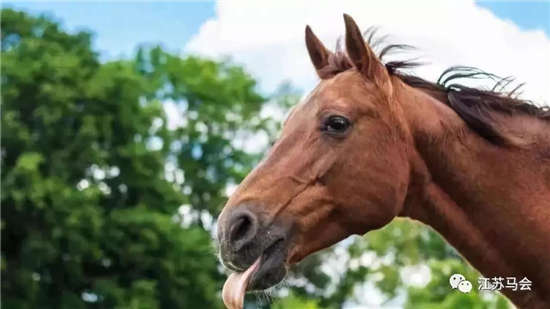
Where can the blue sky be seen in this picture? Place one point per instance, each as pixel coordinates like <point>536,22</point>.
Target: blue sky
<point>526,14</point>
<point>120,27</point>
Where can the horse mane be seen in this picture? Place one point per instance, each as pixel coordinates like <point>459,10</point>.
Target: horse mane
<point>474,105</point>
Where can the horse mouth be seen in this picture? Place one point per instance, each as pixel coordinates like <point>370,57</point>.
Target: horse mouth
<point>268,270</point>
<point>272,268</point>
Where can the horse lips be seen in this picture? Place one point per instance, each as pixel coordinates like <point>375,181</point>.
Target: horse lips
<point>235,287</point>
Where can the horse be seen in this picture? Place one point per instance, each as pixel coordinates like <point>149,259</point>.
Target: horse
<point>371,143</point>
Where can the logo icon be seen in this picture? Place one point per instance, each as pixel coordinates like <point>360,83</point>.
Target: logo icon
<point>458,281</point>
<point>455,280</point>
<point>465,286</point>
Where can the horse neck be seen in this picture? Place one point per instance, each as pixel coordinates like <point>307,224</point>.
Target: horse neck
<point>473,193</point>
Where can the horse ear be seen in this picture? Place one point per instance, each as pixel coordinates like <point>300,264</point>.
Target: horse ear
<point>360,54</point>
<point>317,52</point>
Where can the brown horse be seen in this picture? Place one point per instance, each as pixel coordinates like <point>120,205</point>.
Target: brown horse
<point>371,143</point>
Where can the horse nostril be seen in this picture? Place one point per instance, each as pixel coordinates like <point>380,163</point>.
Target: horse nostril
<point>240,227</point>
<point>242,230</point>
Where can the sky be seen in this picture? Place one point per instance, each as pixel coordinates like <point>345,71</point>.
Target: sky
<point>503,37</point>
<point>121,26</point>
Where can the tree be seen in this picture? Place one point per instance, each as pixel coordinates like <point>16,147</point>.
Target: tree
<point>93,177</point>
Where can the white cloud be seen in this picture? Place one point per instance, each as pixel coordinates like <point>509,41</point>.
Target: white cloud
<point>268,38</point>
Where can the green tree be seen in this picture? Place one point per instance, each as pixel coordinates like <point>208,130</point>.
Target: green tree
<point>93,177</point>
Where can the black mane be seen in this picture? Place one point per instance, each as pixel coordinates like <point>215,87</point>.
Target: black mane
<point>475,106</point>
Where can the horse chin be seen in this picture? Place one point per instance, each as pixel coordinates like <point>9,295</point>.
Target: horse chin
<point>272,269</point>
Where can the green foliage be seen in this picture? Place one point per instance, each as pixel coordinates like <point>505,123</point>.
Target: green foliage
<point>292,301</point>
<point>93,177</point>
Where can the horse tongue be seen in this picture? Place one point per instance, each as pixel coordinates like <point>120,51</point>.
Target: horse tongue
<point>235,287</point>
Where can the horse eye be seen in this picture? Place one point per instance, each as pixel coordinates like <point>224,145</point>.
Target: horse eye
<point>336,125</point>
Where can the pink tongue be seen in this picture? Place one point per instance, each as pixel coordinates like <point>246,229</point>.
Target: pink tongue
<point>235,287</point>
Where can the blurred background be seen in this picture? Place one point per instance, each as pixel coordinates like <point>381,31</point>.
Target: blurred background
<point>126,125</point>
